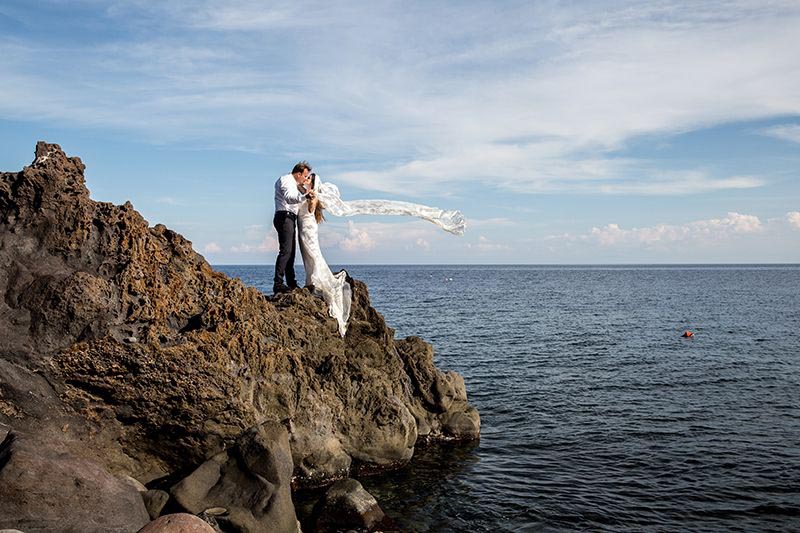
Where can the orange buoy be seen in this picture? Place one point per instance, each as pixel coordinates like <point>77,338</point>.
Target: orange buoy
<point>687,334</point>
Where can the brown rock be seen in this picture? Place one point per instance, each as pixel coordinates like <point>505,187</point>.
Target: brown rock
<point>154,501</point>
<point>252,482</point>
<point>177,523</point>
<point>346,505</point>
<point>133,482</point>
<point>121,333</point>
<point>439,403</point>
<point>43,489</point>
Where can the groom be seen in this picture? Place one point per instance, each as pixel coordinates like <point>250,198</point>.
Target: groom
<point>290,191</point>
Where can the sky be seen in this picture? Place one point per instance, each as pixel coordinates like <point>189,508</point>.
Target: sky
<point>566,132</point>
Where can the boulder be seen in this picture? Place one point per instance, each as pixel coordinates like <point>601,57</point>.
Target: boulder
<point>44,489</point>
<point>346,505</point>
<point>252,482</point>
<point>133,482</point>
<point>177,523</point>
<point>154,501</point>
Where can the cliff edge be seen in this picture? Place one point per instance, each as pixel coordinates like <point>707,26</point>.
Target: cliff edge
<point>120,345</point>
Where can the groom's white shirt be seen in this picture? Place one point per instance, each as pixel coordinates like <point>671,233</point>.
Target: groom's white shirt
<point>287,196</point>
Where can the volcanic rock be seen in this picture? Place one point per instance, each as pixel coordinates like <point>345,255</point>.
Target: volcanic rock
<point>45,489</point>
<point>177,523</point>
<point>154,501</point>
<point>346,506</point>
<point>122,345</point>
<point>252,481</point>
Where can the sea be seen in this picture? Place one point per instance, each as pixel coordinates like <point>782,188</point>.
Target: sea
<point>597,414</point>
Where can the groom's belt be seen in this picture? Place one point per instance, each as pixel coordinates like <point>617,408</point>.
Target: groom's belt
<point>287,213</point>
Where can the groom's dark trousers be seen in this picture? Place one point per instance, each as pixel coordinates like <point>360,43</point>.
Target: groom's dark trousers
<point>285,223</point>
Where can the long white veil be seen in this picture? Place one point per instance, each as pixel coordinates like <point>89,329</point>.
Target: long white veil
<point>451,221</point>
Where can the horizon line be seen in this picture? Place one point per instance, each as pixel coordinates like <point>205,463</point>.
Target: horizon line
<point>521,264</point>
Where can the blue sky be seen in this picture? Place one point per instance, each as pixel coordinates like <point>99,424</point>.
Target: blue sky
<point>620,132</point>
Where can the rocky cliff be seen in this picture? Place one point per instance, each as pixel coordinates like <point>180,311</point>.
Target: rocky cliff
<point>120,345</point>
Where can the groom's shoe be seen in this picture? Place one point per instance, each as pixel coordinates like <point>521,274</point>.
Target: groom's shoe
<point>277,289</point>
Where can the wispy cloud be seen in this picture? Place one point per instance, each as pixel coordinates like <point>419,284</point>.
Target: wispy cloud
<point>533,97</point>
<point>495,222</point>
<point>167,200</point>
<point>786,132</point>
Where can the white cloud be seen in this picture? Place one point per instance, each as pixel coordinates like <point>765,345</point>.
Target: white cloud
<point>496,222</point>
<point>212,248</point>
<point>376,239</point>
<point>710,230</point>
<point>357,239</point>
<point>532,97</point>
<point>268,244</point>
<point>786,132</point>
<point>677,183</point>
<point>476,223</point>
<point>794,218</point>
<point>167,200</point>
<point>484,245</point>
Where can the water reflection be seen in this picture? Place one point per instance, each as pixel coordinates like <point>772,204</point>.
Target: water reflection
<point>418,495</point>
<point>410,495</point>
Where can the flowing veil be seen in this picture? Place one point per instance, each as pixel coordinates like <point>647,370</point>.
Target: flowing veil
<point>334,288</point>
<point>451,221</point>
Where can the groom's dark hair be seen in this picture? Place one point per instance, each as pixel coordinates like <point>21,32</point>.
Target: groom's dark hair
<point>300,167</point>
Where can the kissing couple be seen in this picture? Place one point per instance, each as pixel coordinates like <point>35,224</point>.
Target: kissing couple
<point>300,199</point>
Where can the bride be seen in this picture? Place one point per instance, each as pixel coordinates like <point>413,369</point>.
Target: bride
<point>334,288</point>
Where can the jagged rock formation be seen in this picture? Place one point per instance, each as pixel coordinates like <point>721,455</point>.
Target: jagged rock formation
<point>122,344</point>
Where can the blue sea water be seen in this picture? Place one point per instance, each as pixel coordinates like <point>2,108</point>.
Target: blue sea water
<point>596,413</point>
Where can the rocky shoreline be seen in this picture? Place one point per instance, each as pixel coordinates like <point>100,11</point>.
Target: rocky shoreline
<point>136,381</point>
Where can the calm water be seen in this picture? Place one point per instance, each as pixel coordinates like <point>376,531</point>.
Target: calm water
<point>596,414</point>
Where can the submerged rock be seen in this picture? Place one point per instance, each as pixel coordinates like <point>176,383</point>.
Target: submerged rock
<point>347,506</point>
<point>121,343</point>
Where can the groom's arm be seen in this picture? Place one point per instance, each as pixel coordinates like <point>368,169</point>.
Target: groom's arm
<point>290,192</point>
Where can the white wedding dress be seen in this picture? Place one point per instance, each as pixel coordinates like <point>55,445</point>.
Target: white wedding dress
<point>334,288</point>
